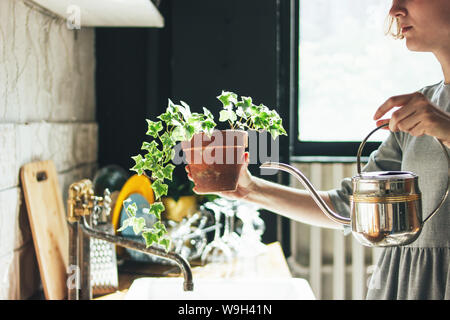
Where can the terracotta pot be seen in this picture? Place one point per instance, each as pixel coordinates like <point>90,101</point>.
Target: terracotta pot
<point>215,162</point>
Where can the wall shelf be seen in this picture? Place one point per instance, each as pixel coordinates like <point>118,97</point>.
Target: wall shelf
<point>106,13</point>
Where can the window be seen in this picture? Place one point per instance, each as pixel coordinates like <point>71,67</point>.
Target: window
<point>347,68</point>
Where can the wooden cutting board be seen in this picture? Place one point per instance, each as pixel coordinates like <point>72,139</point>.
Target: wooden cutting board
<point>48,225</point>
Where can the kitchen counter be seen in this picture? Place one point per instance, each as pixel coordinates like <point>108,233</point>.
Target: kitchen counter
<point>270,264</point>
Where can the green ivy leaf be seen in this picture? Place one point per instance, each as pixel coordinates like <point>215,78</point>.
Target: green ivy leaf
<point>208,114</point>
<point>189,131</point>
<point>159,188</point>
<point>228,99</point>
<point>195,118</point>
<point>274,115</point>
<point>276,128</point>
<point>125,225</point>
<point>223,115</point>
<point>226,115</point>
<point>167,141</point>
<point>154,128</point>
<point>154,156</point>
<point>149,146</point>
<point>138,225</point>
<point>168,171</point>
<point>253,110</point>
<point>149,238</point>
<point>243,107</point>
<point>208,127</point>
<point>171,107</point>
<point>131,209</point>
<point>165,242</point>
<point>257,122</point>
<point>171,154</point>
<point>156,209</point>
<point>179,134</point>
<point>139,166</point>
<point>157,174</point>
<point>274,133</point>
<point>167,117</point>
<point>247,102</point>
<point>241,113</point>
<point>159,227</point>
<point>185,110</point>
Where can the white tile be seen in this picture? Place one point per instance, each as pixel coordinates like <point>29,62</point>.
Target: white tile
<point>8,174</point>
<point>67,144</point>
<point>7,276</point>
<point>19,273</point>
<point>47,71</point>
<point>9,220</point>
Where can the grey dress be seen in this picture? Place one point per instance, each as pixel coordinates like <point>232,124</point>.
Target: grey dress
<point>420,270</point>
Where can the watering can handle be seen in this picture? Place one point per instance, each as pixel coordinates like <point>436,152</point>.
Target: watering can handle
<point>358,160</point>
<point>363,143</point>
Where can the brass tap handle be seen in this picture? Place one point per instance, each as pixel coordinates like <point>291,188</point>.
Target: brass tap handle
<point>81,200</point>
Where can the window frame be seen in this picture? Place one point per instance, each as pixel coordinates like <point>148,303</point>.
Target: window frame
<point>325,151</point>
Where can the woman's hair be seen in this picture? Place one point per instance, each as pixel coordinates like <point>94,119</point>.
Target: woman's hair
<point>391,24</point>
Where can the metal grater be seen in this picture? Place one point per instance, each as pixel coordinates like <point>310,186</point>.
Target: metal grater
<point>103,261</point>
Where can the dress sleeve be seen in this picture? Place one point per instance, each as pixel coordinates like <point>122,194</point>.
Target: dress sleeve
<point>388,157</point>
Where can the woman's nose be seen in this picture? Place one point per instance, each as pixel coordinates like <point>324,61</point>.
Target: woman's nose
<point>397,9</point>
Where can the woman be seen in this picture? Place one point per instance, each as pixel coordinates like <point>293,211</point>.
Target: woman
<point>420,270</point>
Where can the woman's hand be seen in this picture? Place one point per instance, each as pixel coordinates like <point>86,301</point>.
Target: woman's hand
<point>245,182</point>
<point>416,116</point>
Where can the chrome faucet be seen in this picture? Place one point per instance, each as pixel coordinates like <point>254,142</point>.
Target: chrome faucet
<point>81,203</point>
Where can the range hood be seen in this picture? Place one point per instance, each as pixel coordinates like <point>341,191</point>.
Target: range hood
<point>105,13</point>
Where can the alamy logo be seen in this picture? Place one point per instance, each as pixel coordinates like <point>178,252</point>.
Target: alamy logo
<point>73,277</point>
<point>228,147</point>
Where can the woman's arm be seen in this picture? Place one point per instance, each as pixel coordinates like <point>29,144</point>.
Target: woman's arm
<point>292,203</point>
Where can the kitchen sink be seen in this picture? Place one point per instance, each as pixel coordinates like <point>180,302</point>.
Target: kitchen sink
<point>220,289</point>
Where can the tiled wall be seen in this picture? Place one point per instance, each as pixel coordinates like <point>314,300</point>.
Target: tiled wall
<point>47,112</point>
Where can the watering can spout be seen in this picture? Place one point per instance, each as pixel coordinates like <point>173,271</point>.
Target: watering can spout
<point>307,184</point>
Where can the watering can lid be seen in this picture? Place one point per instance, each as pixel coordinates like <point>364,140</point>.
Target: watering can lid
<point>385,175</point>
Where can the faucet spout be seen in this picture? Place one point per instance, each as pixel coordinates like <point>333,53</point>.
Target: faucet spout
<point>307,184</point>
<point>185,267</point>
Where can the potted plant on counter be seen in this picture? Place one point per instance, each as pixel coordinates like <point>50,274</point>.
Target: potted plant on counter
<point>214,157</point>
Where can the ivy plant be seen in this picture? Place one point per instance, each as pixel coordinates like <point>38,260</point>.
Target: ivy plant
<point>177,124</point>
<point>243,114</point>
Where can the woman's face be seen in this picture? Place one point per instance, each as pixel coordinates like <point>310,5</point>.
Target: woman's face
<point>425,24</point>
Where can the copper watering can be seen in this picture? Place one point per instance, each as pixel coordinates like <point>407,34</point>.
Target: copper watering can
<point>386,206</point>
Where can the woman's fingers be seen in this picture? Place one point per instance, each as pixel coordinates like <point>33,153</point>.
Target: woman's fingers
<point>188,172</point>
<point>381,122</point>
<point>408,123</point>
<point>407,116</point>
<point>246,160</point>
<point>392,102</point>
<point>416,116</point>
